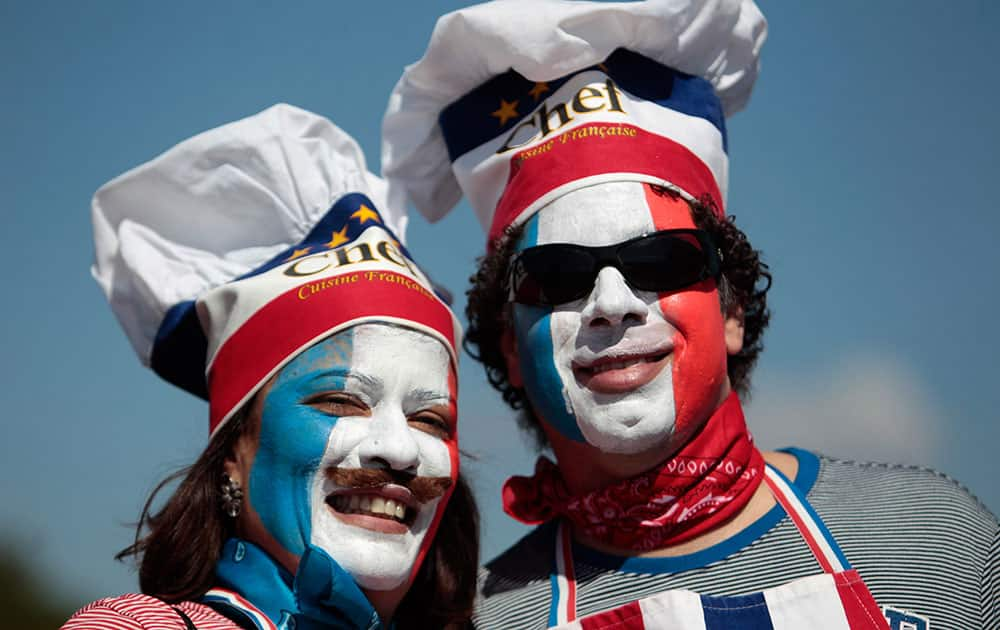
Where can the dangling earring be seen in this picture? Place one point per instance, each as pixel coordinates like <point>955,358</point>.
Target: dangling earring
<point>232,496</point>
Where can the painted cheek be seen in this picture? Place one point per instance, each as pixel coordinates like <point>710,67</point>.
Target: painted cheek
<point>452,443</point>
<point>699,366</point>
<point>293,439</point>
<point>533,326</point>
<point>537,358</point>
<point>453,457</point>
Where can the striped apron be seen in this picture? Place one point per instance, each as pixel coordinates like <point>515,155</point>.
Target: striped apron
<point>836,599</point>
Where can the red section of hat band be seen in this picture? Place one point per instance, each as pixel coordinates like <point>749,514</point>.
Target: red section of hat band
<point>596,149</point>
<point>295,318</point>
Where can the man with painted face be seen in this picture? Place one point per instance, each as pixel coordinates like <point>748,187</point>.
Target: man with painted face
<point>256,265</point>
<point>623,310</point>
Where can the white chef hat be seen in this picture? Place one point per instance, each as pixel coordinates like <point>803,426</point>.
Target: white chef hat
<point>235,250</point>
<point>517,102</point>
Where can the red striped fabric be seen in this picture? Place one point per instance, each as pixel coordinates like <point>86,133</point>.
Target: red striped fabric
<point>135,611</point>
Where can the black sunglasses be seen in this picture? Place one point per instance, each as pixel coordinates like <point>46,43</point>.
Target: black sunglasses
<point>663,261</point>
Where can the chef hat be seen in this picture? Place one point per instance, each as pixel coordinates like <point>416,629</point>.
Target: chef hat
<point>516,103</point>
<point>235,250</point>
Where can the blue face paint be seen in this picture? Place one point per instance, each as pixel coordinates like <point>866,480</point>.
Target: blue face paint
<point>542,382</point>
<point>293,439</point>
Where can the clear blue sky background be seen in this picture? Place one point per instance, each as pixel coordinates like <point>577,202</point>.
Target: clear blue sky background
<point>865,168</point>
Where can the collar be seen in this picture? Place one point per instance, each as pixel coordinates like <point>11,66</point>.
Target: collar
<point>320,595</point>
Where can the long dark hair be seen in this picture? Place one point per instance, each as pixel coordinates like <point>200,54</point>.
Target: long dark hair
<point>177,546</point>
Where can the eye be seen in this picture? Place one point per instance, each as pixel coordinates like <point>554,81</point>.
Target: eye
<point>338,404</point>
<point>432,422</point>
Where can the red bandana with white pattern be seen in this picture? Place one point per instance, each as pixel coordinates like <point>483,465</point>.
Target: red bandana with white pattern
<point>705,484</point>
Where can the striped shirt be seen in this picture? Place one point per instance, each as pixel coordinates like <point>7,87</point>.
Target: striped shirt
<point>134,611</point>
<point>927,549</point>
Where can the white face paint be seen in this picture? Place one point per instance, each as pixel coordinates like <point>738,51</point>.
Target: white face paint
<point>373,397</point>
<point>612,350</point>
<point>401,373</point>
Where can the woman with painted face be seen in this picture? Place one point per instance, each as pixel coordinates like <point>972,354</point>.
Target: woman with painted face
<point>257,266</point>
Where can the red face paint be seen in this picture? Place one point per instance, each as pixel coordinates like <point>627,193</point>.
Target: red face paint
<point>699,365</point>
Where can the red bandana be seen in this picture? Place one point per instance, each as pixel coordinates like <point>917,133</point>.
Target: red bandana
<point>703,485</point>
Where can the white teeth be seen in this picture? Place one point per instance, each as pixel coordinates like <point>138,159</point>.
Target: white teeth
<point>371,504</point>
<point>617,365</point>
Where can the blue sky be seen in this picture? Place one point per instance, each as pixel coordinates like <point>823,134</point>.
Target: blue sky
<point>864,168</point>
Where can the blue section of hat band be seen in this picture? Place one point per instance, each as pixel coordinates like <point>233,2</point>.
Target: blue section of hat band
<point>467,123</point>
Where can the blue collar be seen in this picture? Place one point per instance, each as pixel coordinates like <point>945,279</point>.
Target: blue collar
<point>320,595</point>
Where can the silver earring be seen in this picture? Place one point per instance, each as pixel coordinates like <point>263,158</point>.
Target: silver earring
<point>232,496</point>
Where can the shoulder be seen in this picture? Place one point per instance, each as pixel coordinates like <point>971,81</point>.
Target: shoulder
<point>530,558</point>
<point>876,492</point>
<point>907,530</point>
<point>135,611</point>
<point>514,586</point>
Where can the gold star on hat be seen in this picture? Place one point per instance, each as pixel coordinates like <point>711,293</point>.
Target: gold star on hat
<point>298,253</point>
<point>506,111</point>
<point>337,238</point>
<point>539,89</point>
<point>364,214</point>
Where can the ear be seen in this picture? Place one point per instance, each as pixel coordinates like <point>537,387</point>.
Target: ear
<point>508,345</point>
<point>237,463</point>
<point>734,332</point>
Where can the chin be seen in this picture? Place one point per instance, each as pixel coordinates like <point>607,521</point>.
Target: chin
<point>377,561</point>
<point>627,435</point>
<point>629,424</point>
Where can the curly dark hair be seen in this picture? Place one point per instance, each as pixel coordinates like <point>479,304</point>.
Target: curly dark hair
<point>743,287</point>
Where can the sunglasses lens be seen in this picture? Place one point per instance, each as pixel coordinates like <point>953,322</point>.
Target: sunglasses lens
<point>663,262</point>
<point>552,274</point>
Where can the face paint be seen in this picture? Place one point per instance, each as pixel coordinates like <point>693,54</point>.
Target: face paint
<point>632,367</point>
<point>372,398</point>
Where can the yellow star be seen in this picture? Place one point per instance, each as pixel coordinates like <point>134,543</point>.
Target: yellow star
<point>364,214</point>
<point>338,238</point>
<point>506,111</point>
<point>298,253</point>
<point>539,89</point>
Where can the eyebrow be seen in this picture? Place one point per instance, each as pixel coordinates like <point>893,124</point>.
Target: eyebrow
<point>367,381</point>
<point>428,396</point>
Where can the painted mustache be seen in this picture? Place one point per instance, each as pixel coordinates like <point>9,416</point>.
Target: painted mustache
<point>424,489</point>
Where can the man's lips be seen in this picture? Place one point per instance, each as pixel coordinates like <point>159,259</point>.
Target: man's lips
<point>621,373</point>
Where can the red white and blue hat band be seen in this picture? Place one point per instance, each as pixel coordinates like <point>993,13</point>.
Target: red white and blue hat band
<point>348,270</point>
<point>515,144</point>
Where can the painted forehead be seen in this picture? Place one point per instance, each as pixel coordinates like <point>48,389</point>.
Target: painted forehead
<point>604,214</point>
<point>377,353</point>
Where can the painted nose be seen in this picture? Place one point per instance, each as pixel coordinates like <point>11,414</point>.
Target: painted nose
<point>390,443</point>
<point>613,302</point>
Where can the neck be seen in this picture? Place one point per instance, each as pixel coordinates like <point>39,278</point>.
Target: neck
<point>386,602</point>
<point>319,592</point>
<point>585,469</point>
<point>758,506</point>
